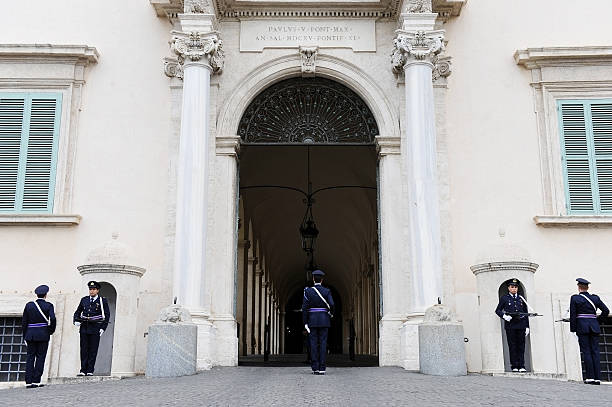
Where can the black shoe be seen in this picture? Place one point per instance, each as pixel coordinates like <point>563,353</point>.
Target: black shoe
<point>39,385</point>
<point>589,381</point>
<point>596,382</point>
<point>31,386</point>
<point>322,373</point>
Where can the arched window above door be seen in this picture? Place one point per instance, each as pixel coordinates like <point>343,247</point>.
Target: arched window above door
<point>308,111</point>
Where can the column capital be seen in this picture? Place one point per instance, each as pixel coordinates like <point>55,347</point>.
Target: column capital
<point>196,48</point>
<point>416,47</point>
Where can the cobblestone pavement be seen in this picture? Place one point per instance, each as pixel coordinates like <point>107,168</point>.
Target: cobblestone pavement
<point>294,386</point>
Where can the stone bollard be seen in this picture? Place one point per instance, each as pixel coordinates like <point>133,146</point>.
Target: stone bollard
<point>441,343</point>
<point>172,344</point>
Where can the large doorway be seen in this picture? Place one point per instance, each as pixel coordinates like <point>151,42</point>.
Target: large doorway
<point>296,132</point>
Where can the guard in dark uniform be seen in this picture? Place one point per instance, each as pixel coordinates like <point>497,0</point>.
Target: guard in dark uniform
<point>583,321</point>
<point>92,315</point>
<point>517,326</point>
<point>317,309</point>
<point>38,324</point>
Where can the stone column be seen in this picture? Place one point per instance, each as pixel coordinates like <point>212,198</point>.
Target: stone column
<point>416,49</point>
<point>251,305</point>
<point>282,332</point>
<point>257,331</point>
<point>199,53</point>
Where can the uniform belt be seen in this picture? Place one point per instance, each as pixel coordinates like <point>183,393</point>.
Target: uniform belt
<point>92,318</point>
<point>39,325</point>
<point>586,316</point>
<point>317,310</point>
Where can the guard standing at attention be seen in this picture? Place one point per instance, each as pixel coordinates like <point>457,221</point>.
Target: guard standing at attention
<point>583,321</point>
<point>317,310</point>
<point>92,315</point>
<point>517,326</point>
<point>38,324</point>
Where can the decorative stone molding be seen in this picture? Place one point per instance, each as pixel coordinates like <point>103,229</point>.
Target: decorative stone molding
<point>111,268</point>
<point>39,220</point>
<point>198,46</point>
<point>573,221</point>
<point>417,6</point>
<point>172,68</point>
<point>422,46</point>
<point>504,266</point>
<point>198,7</point>
<point>308,56</point>
<point>227,145</point>
<point>358,9</point>
<point>388,145</point>
<point>442,69</point>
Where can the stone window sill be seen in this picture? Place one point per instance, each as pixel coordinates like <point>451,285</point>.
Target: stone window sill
<point>574,221</point>
<point>31,219</point>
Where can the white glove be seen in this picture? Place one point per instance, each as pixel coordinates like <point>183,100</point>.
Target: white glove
<point>101,332</point>
<point>77,323</point>
<point>526,331</point>
<point>507,317</point>
<point>307,329</point>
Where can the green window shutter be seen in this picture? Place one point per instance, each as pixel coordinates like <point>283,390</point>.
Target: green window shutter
<point>28,166</point>
<point>586,143</point>
<point>601,116</point>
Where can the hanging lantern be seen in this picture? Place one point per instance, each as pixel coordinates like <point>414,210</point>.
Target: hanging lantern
<point>308,230</point>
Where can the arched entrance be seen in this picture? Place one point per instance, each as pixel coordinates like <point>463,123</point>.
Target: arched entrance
<point>301,139</point>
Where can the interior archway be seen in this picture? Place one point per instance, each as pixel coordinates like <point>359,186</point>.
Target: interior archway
<point>296,131</point>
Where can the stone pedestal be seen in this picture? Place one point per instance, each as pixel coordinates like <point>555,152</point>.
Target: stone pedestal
<point>172,349</point>
<point>441,346</point>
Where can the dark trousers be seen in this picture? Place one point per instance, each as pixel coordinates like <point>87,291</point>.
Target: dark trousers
<point>89,351</point>
<point>589,347</point>
<point>318,347</point>
<point>516,347</point>
<point>35,363</point>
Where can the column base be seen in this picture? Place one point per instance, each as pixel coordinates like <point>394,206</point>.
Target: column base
<point>206,342</point>
<point>389,340</point>
<point>409,342</point>
<point>226,340</point>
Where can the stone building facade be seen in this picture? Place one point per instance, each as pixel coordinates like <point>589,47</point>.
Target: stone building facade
<point>476,132</point>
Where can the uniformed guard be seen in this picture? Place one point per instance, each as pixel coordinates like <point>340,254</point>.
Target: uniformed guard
<point>583,321</point>
<point>516,325</point>
<point>38,324</point>
<point>92,315</point>
<point>317,309</point>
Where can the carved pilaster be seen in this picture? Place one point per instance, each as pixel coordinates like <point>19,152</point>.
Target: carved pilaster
<point>197,47</point>
<point>309,60</point>
<point>172,68</point>
<point>419,46</point>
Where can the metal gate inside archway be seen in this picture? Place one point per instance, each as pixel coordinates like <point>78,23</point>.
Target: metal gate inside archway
<point>307,163</point>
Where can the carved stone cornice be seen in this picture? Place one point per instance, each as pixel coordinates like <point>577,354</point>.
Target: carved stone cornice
<point>420,46</point>
<point>387,145</point>
<point>290,9</point>
<point>308,56</point>
<point>196,47</point>
<point>512,265</point>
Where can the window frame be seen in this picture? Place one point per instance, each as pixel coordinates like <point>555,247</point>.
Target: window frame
<point>25,127</point>
<point>50,68</point>
<point>591,154</point>
<point>563,73</point>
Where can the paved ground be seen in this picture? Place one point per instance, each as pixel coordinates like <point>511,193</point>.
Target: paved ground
<point>294,386</point>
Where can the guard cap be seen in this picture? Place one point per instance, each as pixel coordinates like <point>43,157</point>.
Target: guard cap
<point>318,273</point>
<point>41,290</point>
<point>514,281</point>
<point>93,284</point>
<point>583,281</point>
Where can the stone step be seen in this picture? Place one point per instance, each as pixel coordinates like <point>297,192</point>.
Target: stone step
<point>81,379</point>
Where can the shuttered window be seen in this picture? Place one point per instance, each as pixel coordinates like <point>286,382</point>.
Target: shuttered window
<point>29,132</point>
<point>586,142</point>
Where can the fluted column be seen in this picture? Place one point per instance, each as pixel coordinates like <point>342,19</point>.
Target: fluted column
<point>416,48</point>
<point>199,55</point>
